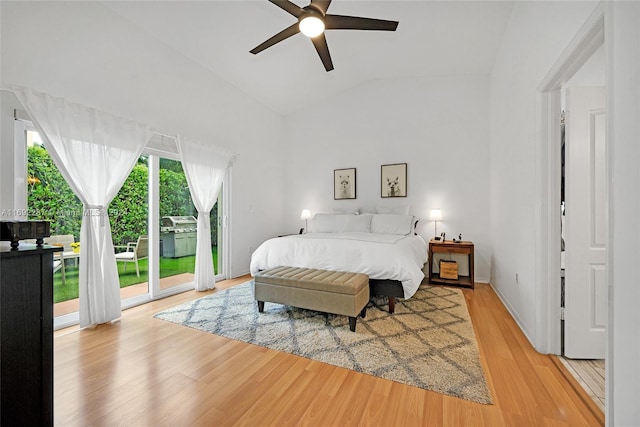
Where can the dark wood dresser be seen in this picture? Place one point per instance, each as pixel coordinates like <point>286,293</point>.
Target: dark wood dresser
<point>26,335</point>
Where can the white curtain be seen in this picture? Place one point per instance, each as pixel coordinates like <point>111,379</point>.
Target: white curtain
<point>95,153</point>
<point>205,166</point>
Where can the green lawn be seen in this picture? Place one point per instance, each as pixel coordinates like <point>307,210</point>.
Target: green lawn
<point>168,267</point>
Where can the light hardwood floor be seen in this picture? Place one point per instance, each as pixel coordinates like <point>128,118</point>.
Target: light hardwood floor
<point>142,371</point>
<point>590,374</point>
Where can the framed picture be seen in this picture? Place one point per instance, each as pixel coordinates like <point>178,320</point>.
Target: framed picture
<point>393,180</point>
<point>344,184</point>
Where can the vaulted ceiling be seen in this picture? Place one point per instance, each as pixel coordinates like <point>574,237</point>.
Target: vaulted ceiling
<point>433,38</point>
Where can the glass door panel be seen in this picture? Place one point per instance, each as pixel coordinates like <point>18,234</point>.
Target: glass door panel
<point>49,198</point>
<point>178,226</point>
<point>129,219</point>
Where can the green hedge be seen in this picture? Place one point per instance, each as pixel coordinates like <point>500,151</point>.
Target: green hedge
<point>128,211</point>
<point>50,198</point>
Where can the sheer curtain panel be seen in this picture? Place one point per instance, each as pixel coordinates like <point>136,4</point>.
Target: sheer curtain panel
<point>95,152</point>
<point>205,166</point>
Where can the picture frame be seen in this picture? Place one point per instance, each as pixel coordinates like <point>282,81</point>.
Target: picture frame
<point>344,184</point>
<point>393,180</point>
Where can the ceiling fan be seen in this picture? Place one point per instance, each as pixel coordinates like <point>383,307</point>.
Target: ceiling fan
<point>313,20</point>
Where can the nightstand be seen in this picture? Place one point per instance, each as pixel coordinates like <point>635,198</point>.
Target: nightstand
<point>448,246</point>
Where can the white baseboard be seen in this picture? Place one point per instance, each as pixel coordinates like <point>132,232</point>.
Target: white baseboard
<point>242,273</point>
<point>514,314</point>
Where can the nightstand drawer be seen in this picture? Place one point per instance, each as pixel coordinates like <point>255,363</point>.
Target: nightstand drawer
<point>453,249</point>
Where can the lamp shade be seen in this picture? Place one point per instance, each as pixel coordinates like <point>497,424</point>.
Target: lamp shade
<point>306,214</point>
<point>435,215</point>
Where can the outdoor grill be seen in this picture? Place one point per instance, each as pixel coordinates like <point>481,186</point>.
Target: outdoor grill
<point>178,236</point>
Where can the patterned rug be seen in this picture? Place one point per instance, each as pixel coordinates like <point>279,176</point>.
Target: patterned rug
<point>428,343</point>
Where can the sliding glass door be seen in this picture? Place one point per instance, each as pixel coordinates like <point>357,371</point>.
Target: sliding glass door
<point>173,228</point>
<point>152,219</point>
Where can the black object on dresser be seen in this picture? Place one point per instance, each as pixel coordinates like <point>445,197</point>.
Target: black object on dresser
<point>14,231</point>
<point>26,335</point>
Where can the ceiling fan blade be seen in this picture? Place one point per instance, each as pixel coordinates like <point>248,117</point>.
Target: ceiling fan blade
<point>323,5</point>
<point>282,35</point>
<point>320,43</point>
<point>340,22</point>
<point>289,7</point>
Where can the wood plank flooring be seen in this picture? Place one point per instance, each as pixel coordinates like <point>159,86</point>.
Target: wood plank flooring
<point>142,371</point>
<point>590,374</point>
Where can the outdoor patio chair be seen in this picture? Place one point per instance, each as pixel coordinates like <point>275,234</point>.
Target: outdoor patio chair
<point>134,252</point>
<point>57,265</point>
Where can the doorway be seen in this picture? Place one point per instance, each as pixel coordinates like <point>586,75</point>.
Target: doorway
<point>585,45</point>
<point>584,226</point>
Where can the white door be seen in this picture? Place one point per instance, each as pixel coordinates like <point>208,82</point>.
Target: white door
<point>586,223</point>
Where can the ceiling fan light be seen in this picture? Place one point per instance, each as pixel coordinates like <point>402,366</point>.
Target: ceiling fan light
<point>311,26</point>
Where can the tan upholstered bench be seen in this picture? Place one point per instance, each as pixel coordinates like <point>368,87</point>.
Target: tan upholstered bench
<point>333,292</point>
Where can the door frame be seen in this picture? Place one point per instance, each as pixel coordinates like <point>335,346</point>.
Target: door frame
<point>547,252</point>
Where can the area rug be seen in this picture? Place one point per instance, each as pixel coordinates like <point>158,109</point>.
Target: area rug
<point>428,343</point>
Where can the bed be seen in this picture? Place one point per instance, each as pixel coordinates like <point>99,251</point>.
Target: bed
<point>383,246</point>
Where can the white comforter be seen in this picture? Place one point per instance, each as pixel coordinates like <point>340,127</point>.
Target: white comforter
<point>381,256</point>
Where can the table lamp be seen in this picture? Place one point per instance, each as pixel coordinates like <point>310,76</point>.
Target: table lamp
<point>435,215</point>
<point>306,215</point>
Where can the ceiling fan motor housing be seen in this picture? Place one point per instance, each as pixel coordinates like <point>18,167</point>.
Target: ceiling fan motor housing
<point>312,10</point>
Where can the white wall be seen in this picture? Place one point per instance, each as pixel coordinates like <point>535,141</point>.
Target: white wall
<point>523,60</point>
<point>592,73</point>
<point>84,52</point>
<point>438,126</point>
<point>525,57</point>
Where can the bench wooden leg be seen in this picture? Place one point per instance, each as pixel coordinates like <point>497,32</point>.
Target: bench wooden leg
<point>392,304</point>
<point>352,323</point>
<point>261,306</point>
<point>363,313</point>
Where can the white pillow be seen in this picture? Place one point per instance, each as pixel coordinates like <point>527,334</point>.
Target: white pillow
<point>400,210</point>
<point>329,223</point>
<point>359,223</point>
<point>391,224</point>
